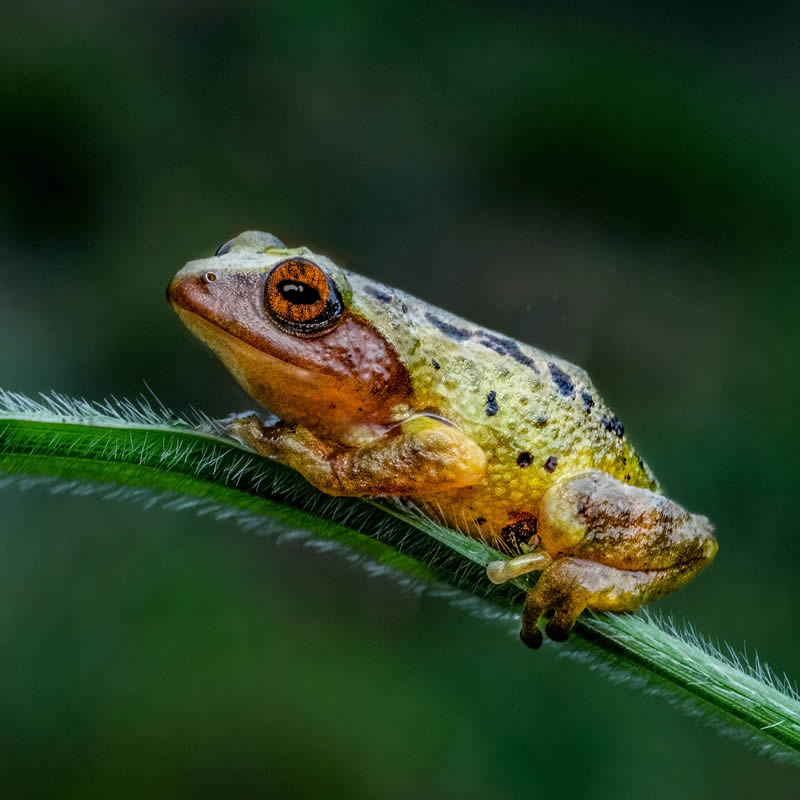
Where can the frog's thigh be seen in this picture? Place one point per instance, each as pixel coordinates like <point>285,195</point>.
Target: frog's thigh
<point>424,455</point>
<point>594,516</point>
<point>571,585</point>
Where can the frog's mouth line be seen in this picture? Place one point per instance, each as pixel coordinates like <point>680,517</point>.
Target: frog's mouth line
<point>210,327</point>
<point>232,348</point>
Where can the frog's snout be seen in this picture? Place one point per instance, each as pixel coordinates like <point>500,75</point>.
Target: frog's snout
<point>192,289</point>
<point>173,291</point>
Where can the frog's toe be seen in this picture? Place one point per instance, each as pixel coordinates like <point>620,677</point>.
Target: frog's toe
<point>507,570</point>
<point>558,632</point>
<point>531,612</point>
<point>531,638</point>
<point>565,614</point>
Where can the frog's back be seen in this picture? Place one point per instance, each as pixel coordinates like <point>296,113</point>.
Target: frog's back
<point>537,417</point>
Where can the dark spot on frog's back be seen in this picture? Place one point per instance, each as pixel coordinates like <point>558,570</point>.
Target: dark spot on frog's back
<point>613,425</point>
<point>451,331</point>
<point>506,347</point>
<point>524,459</point>
<point>491,404</point>
<point>551,464</point>
<point>435,364</point>
<point>562,381</point>
<point>378,294</point>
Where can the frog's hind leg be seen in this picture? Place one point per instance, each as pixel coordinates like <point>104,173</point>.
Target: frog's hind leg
<point>614,547</point>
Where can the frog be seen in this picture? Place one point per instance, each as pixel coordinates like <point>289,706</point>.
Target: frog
<point>377,394</point>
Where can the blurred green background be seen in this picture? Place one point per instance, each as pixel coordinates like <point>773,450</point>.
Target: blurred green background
<point>620,186</point>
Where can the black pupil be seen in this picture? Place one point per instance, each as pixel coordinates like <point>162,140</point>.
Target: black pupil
<point>301,294</point>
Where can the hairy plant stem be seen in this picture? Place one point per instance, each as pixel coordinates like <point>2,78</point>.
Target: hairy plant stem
<point>137,451</point>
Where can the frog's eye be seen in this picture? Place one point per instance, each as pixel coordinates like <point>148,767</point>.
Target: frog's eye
<point>301,298</point>
<point>224,249</point>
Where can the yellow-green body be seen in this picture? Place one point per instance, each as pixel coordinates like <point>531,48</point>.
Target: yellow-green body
<point>545,421</point>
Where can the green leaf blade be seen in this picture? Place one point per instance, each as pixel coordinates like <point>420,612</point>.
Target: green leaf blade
<point>151,453</point>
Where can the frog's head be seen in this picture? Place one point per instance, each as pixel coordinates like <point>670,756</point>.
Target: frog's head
<point>281,321</point>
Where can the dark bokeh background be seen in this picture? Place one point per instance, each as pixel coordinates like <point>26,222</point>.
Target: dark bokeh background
<point>618,186</point>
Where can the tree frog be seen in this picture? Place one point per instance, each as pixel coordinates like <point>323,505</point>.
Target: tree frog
<point>381,394</point>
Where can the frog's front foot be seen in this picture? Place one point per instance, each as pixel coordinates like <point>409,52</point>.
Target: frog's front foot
<point>424,453</point>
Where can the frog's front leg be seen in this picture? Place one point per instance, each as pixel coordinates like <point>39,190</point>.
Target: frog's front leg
<point>423,455</point>
<point>614,547</point>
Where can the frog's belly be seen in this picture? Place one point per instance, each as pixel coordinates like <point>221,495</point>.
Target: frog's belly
<point>489,511</point>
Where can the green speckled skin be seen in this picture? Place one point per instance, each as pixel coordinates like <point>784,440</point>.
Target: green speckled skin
<point>533,414</point>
